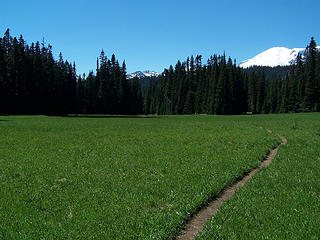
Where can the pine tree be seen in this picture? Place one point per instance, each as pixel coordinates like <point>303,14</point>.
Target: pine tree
<point>284,95</point>
<point>180,79</point>
<point>3,70</point>
<point>317,86</point>
<point>310,91</point>
<point>252,92</point>
<point>220,95</point>
<point>91,90</point>
<point>123,90</point>
<point>213,80</point>
<point>199,85</point>
<point>80,94</point>
<point>189,103</point>
<point>260,92</point>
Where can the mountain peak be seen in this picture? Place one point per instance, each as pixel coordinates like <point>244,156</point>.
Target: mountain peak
<point>275,56</point>
<point>143,74</point>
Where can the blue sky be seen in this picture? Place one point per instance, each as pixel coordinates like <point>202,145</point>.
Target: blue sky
<point>151,35</point>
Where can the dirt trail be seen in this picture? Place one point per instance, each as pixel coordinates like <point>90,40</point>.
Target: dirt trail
<point>198,221</point>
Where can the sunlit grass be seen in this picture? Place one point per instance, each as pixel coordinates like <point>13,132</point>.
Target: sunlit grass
<point>283,200</point>
<point>118,178</point>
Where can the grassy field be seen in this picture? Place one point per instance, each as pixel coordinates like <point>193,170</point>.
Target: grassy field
<point>141,178</point>
<point>283,200</point>
<point>118,178</point>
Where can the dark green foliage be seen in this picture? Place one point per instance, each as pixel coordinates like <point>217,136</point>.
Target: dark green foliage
<point>269,72</point>
<point>222,88</point>
<point>193,88</point>
<point>300,89</point>
<point>285,95</point>
<point>252,92</point>
<point>272,100</point>
<point>32,82</point>
<point>311,64</point>
<point>189,103</point>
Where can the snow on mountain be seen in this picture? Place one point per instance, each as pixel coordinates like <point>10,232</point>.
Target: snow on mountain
<point>144,74</point>
<point>276,56</point>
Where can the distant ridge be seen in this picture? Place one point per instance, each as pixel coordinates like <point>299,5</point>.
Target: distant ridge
<point>143,74</point>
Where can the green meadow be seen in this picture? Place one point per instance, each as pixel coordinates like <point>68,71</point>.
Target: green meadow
<point>142,178</point>
<point>283,200</point>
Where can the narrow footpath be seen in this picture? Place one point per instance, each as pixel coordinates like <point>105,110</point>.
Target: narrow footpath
<point>198,221</point>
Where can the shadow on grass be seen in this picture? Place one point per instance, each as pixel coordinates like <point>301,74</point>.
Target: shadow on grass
<point>106,116</point>
<point>4,115</point>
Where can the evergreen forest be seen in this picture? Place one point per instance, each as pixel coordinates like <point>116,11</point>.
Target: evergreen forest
<point>33,82</point>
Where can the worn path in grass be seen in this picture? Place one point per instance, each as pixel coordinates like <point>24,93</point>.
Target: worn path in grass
<point>198,221</point>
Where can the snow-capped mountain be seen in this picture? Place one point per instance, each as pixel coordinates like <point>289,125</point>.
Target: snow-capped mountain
<point>143,74</point>
<point>276,56</point>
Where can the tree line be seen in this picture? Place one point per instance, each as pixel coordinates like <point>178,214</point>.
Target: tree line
<point>108,91</point>
<point>220,87</point>
<point>190,87</point>
<point>33,82</point>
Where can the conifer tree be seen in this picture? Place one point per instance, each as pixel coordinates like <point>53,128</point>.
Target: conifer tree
<point>220,95</point>
<point>285,95</point>
<point>33,82</point>
<point>252,93</point>
<point>310,93</point>
<point>260,92</point>
<point>189,103</point>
